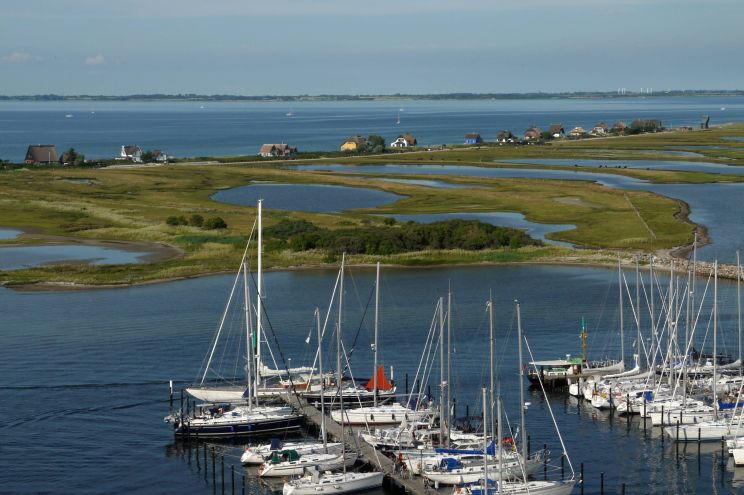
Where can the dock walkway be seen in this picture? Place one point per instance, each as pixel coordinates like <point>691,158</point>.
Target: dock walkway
<point>369,455</point>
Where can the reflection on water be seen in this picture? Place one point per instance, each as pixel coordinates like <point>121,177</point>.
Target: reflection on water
<point>320,198</point>
<point>498,218</point>
<point>16,257</point>
<point>429,183</point>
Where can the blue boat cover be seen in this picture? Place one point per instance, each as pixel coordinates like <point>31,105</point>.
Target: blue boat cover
<point>450,463</point>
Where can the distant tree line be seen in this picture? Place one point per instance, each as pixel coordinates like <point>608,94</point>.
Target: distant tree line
<point>301,235</point>
<point>197,220</point>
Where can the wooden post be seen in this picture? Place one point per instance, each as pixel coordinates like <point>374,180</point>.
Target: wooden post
<point>528,448</point>
<point>232,476</point>
<point>545,461</point>
<point>623,489</point>
<point>563,466</point>
<point>601,483</point>
<point>214,469</point>
<point>243,483</point>
<point>222,476</point>
<point>582,478</point>
<point>406,383</point>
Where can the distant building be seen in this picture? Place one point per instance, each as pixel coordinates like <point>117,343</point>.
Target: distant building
<point>131,152</point>
<point>41,153</point>
<point>159,156</point>
<point>556,131</point>
<point>277,150</point>
<point>577,132</point>
<point>473,138</point>
<point>601,129</point>
<point>354,143</point>
<point>505,136</point>
<point>404,141</point>
<point>532,134</point>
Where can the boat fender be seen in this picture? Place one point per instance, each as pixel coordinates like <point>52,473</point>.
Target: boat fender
<point>372,417</point>
<point>393,416</point>
<point>406,416</point>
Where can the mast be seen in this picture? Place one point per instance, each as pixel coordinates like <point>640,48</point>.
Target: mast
<point>620,293</point>
<point>490,351</point>
<point>521,387</point>
<point>374,348</point>
<point>738,300</point>
<point>449,365</point>
<point>339,374</point>
<point>715,339</point>
<point>498,440</point>
<point>248,335</point>
<point>441,371</point>
<point>259,303</point>
<point>653,318</point>
<point>638,310</point>
<point>485,442</point>
<point>322,384</point>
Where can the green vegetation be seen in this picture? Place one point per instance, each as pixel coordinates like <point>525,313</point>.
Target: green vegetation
<point>301,235</point>
<point>147,205</point>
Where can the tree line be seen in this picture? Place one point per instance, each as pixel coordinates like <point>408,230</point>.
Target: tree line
<point>301,235</point>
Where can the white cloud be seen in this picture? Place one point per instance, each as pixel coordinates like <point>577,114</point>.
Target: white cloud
<point>17,58</point>
<point>95,60</point>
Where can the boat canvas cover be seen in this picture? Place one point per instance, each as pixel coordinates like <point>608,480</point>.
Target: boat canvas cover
<point>490,450</point>
<point>552,362</point>
<point>382,382</point>
<point>450,463</point>
<point>284,455</point>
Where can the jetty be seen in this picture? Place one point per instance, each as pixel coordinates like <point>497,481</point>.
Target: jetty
<point>368,454</point>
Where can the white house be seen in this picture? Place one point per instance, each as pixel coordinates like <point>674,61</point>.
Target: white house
<point>404,141</point>
<point>131,152</point>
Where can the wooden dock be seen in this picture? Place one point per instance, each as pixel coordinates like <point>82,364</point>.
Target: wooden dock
<point>368,454</point>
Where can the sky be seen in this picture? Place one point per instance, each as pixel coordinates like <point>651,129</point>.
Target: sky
<point>294,47</point>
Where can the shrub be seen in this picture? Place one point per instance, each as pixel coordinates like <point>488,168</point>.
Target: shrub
<point>214,223</point>
<point>196,220</point>
<point>177,221</point>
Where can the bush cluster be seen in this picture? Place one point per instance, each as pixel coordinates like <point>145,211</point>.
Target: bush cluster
<point>197,220</point>
<point>301,235</point>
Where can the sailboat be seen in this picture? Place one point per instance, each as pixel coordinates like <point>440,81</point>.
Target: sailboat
<point>344,482</point>
<point>290,462</point>
<point>525,486</point>
<point>224,419</point>
<point>232,392</point>
<point>377,414</point>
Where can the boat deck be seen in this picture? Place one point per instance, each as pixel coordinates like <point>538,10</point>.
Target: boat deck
<point>368,453</point>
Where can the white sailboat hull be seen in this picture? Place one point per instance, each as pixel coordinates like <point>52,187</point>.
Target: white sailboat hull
<point>380,415</point>
<point>321,462</point>
<point>257,455</point>
<point>473,473</point>
<point>333,483</point>
<point>705,432</point>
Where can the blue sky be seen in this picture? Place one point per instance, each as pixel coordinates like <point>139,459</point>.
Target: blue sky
<point>350,47</point>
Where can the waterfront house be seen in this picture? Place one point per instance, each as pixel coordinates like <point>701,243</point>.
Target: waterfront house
<point>601,129</point>
<point>532,134</point>
<point>404,141</point>
<point>577,132</point>
<point>354,143</point>
<point>277,150</point>
<point>131,152</point>
<point>473,138</point>
<point>505,136</point>
<point>41,153</point>
<point>619,127</point>
<point>159,156</point>
<point>556,131</point>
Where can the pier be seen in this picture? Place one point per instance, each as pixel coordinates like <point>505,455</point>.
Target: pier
<point>368,454</point>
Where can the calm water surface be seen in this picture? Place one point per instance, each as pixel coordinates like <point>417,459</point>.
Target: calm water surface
<point>716,168</point>
<point>99,129</point>
<point>9,233</point>
<point>86,378</point>
<point>15,257</point>
<point>320,198</point>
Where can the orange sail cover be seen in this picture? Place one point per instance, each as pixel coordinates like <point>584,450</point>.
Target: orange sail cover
<point>382,382</point>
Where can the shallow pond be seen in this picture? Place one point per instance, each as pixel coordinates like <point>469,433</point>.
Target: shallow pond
<point>318,198</point>
<point>499,218</point>
<point>16,257</point>
<point>716,168</point>
<point>439,184</point>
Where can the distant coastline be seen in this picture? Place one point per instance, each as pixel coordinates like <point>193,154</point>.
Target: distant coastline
<point>310,98</point>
